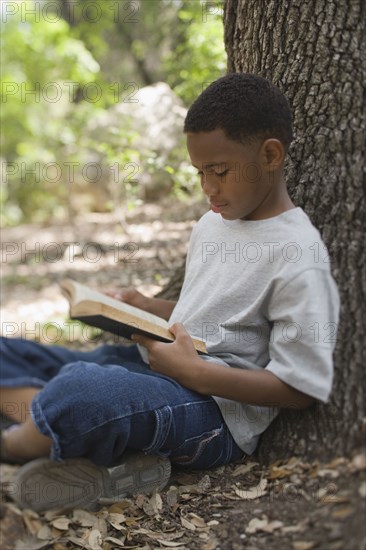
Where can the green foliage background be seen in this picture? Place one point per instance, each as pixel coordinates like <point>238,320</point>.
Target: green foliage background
<point>63,65</point>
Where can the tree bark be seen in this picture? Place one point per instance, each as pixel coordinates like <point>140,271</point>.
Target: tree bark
<point>312,49</point>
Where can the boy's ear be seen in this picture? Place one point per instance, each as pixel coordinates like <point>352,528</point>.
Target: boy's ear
<point>272,154</point>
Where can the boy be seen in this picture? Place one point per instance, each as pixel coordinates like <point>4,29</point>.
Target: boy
<point>253,289</point>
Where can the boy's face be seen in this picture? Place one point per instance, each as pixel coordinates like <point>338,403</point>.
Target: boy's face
<point>233,176</point>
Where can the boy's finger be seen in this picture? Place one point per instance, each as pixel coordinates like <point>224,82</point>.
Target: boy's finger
<point>181,335</point>
<point>178,329</point>
<point>113,294</point>
<point>143,340</point>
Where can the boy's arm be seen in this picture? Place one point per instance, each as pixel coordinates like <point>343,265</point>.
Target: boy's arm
<point>256,387</point>
<point>180,361</point>
<point>160,307</point>
<point>156,306</point>
<point>304,315</point>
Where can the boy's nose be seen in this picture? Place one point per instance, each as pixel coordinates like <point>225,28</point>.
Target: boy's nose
<point>209,186</point>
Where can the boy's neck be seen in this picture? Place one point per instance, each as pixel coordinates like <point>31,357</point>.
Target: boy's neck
<point>275,204</point>
<point>282,206</point>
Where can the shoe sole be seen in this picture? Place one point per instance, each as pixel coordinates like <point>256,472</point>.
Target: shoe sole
<point>44,484</point>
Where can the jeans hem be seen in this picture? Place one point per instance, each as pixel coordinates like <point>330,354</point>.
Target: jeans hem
<point>42,425</point>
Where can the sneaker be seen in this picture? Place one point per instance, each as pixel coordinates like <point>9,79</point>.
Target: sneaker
<point>43,484</point>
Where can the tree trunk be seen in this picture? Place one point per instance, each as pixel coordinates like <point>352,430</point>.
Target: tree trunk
<point>312,49</point>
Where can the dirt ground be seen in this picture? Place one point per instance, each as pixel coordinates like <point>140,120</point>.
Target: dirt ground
<point>290,504</point>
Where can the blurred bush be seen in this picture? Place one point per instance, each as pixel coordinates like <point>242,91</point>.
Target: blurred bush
<point>69,65</point>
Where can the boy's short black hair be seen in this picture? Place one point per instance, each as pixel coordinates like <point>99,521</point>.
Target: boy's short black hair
<point>245,107</point>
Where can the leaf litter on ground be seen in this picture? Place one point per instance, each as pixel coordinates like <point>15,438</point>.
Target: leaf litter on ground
<point>191,512</point>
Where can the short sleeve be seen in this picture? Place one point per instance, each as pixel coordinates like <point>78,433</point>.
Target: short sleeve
<point>304,318</point>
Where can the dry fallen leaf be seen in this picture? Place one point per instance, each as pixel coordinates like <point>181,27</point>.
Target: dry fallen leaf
<point>119,507</point>
<point>257,524</point>
<point>243,469</point>
<point>278,473</point>
<point>189,491</point>
<point>211,544</point>
<point>362,490</point>
<point>230,496</point>
<point>327,472</point>
<point>170,544</point>
<point>279,469</point>
<point>44,533</point>
<point>116,521</point>
<point>342,513</point>
<point>212,523</point>
<point>115,541</point>
<point>62,523</point>
<point>303,545</point>
<point>172,496</point>
<point>117,518</point>
<point>187,524</point>
<point>359,462</point>
<point>84,518</point>
<point>298,528</point>
<point>52,514</point>
<point>131,522</point>
<point>102,524</point>
<point>336,462</point>
<point>153,505</point>
<point>293,462</point>
<point>32,521</point>
<point>142,531</point>
<point>95,540</point>
<point>272,526</point>
<point>197,520</point>
<point>335,499</point>
<point>79,542</point>
<point>253,492</point>
<point>327,495</point>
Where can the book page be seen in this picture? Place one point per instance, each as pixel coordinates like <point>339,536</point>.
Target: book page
<point>80,293</point>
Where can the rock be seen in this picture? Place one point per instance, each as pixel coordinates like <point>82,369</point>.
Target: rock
<point>157,117</point>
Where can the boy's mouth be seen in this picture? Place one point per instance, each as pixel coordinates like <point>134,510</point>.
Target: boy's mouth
<point>217,207</point>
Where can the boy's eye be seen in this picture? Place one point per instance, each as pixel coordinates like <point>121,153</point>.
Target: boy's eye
<point>221,174</point>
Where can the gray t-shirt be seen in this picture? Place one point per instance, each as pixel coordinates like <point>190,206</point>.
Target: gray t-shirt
<point>261,294</point>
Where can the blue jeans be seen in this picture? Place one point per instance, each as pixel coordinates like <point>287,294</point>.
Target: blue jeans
<point>96,404</point>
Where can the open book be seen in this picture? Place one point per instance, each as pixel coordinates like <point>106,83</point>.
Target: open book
<point>99,310</point>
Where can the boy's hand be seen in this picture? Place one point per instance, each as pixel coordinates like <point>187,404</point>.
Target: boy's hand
<point>129,295</point>
<point>178,359</point>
